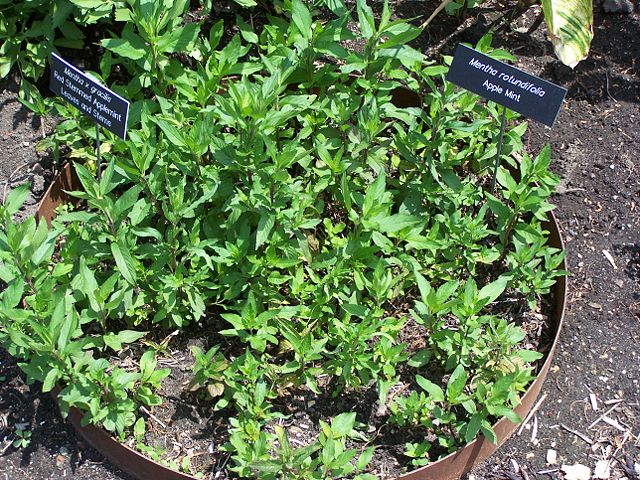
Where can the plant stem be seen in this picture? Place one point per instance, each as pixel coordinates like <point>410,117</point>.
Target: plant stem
<point>507,236</point>
<point>440,7</point>
<point>503,119</point>
<point>27,278</point>
<point>154,199</point>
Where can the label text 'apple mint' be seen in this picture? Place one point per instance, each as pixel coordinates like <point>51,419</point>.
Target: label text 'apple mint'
<point>494,80</point>
<point>96,101</point>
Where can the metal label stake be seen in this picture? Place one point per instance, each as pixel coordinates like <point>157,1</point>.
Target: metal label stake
<point>104,106</point>
<point>98,163</point>
<point>503,119</point>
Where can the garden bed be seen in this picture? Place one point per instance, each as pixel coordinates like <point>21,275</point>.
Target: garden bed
<point>186,426</point>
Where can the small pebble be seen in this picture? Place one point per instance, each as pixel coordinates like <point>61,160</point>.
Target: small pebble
<point>552,457</point>
<point>576,472</point>
<point>63,451</point>
<point>602,471</point>
<point>60,459</point>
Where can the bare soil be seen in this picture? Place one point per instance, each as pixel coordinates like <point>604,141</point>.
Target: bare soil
<point>596,145</point>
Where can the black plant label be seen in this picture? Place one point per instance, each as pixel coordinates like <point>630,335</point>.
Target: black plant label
<point>517,90</point>
<point>93,99</point>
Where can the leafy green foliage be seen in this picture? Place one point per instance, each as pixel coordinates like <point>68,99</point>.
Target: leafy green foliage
<point>31,29</point>
<point>272,191</point>
<point>23,438</point>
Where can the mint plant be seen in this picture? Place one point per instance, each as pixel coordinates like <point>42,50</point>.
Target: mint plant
<point>330,241</point>
<point>30,30</point>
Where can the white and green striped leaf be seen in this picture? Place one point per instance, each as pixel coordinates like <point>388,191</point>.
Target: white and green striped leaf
<point>570,24</point>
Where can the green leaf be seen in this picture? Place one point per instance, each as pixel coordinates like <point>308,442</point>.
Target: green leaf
<point>86,283</point>
<point>51,379</point>
<point>5,66</point>
<point>470,293</point>
<point>130,336</point>
<point>125,262</point>
<point>473,427</point>
<point>46,248</point>
<point>365,458</point>
<point>68,327</point>
<point>420,359</point>
<point>435,392</point>
<point>543,159</point>
<point>16,198</point>
<point>88,4</point>
<point>148,363</point>
<point>493,290</point>
<point>125,379</point>
<point>397,222</point>
<point>169,17</point>
<point>488,432</point>
<point>139,429</point>
<point>484,44</point>
<point>345,191</point>
<point>499,209</point>
<point>366,19</point>
<point>265,225</point>
<point>504,411</point>
<point>402,34</point>
<point>408,56</point>
<point>215,34</point>
<point>570,24</point>
<point>456,383</point>
<point>246,31</point>
<point>343,424</point>
<point>13,293</point>
<point>423,286</point>
<point>130,46</point>
<point>336,6</point>
<point>61,13</point>
<point>180,39</point>
<point>529,356</point>
<point>172,132</point>
<point>30,97</point>
<point>301,16</point>
<point>86,179</point>
<point>355,309</point>
<point>112,341</point>
<point>126,201</point>
<point>435,70</point>
<point>374,194</point>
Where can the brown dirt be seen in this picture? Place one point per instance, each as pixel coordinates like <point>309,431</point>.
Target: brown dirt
<point>596,142</point>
